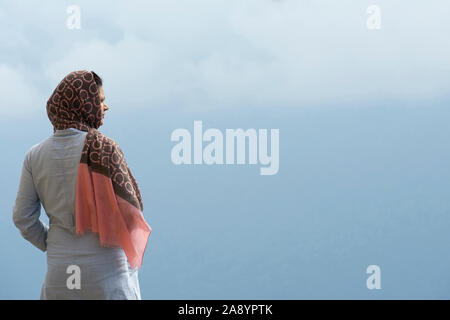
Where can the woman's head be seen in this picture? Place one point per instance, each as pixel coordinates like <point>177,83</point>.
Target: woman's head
<point>77,102</point>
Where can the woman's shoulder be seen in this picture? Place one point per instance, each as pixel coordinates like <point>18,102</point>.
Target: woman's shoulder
<point>97,137</point>
<point>38,150</point>
<point>38,147</point>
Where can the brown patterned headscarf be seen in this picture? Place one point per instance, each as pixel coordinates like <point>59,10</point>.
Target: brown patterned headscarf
<point>108,199</point>
<point>75,103</point>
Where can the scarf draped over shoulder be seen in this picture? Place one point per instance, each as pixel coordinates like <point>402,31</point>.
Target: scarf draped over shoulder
<point>108,199</point>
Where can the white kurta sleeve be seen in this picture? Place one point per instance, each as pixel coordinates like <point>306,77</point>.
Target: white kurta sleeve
<point>27,209</point>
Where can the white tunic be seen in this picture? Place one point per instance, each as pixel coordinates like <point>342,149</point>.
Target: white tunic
<point>49,175</point>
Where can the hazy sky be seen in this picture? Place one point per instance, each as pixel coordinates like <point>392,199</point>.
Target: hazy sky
<point>223,54</point>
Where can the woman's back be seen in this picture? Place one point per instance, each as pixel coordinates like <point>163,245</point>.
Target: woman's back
<point>50,169</point>
<point>54,164</point>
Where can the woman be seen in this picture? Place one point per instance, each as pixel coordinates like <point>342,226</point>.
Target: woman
<point>97,234</point>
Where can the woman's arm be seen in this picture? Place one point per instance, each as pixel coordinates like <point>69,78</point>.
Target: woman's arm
<point>27,209</point>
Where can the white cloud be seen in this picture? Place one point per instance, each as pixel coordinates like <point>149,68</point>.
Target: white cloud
<point>18,97</point>
<point>222,54</point>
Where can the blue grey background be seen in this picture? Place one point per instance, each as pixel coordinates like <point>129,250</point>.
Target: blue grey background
<point>363,118</point>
